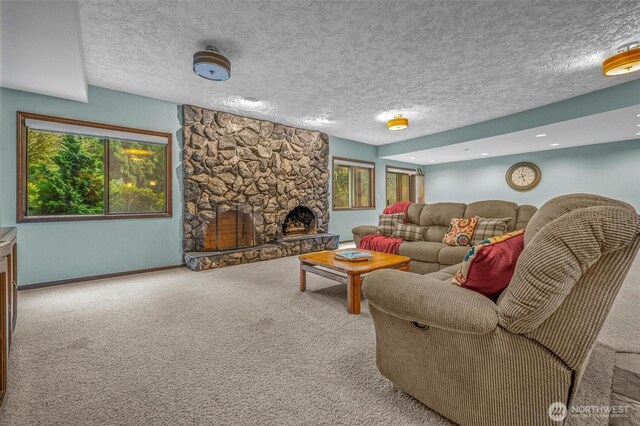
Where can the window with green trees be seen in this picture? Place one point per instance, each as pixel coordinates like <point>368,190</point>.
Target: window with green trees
<point>353,184</point>
<point>71,171</point>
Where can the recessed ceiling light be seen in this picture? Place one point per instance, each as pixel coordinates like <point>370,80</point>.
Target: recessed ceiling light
<point>637,115</point>
<point>638,134</point>
<point>554,144</point>
<point>637,125</point>
<point>485,153</point>
<point>412,158</point>
<point>432,161</point>
<point>541,135</point>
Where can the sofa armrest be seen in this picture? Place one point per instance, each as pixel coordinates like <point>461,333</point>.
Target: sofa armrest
<point>363,230</point>
<point>425,300</point>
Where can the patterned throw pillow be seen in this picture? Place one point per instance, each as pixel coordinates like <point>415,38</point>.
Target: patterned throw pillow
<point>489,265</point>
<point>386,223</point>
<point>460,231</point>
<point>489,228</point>
<point>408,232</point>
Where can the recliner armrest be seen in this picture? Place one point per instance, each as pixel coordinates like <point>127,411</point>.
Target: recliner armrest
<point>363,230</point>
<point>424,300</point>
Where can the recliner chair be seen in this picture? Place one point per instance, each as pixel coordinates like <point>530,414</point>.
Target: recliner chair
<point>483,363</point>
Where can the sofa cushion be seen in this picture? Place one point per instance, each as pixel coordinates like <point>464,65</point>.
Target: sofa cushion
<point>408,232</point>
<point>489,228</point>
<point>492,209</point>
<point>461,231</point>
<point>525,213</point>
<point>445,274</point>
<point>435,233</point>
<point>387,223</point>
<point>425,251</point>
<point>440,213</point>
<point>363,230</point>
<point>413,213</point>
<point>451,255</point>
<point>488,267</point>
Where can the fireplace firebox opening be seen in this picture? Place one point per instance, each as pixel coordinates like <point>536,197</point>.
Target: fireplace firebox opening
<point>231,229</point>
<point>299,221</point>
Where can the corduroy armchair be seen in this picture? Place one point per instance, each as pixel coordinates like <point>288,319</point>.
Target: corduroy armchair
<point>481,363</point>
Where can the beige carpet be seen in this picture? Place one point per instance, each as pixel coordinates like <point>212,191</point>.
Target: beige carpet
<point>238,345</point>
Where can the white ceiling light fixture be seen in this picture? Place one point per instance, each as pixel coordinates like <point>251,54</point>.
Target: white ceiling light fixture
<point>211,64</point>
<point>555,144</point>
<point>484,154</point>
<point>541,135</point>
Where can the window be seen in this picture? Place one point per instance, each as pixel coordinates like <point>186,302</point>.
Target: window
<point>353,184</point>
<point>77,170</point>
<point>401,185</point>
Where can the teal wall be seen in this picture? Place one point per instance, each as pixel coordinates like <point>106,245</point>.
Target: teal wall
<point>62,250</point>
<point>611,169</point>
<point>342,222</point>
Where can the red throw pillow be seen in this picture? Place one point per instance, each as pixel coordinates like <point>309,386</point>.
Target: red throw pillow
<point>489,265</point>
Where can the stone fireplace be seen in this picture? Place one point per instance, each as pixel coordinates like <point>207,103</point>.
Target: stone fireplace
<point>253,189</point>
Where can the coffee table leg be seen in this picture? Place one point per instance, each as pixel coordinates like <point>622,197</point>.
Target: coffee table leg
<point>353,294</point>
<point>303,278</point>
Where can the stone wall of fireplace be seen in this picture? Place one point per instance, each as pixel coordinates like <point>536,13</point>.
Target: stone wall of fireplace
<point>234,162</point>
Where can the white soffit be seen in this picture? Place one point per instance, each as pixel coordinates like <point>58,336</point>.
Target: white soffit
<point>611,126</point>
<point>42,48</point>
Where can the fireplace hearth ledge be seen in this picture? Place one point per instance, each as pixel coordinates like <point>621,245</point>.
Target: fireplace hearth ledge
<point>287,246</point>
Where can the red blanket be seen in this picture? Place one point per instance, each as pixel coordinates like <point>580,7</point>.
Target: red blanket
<point>381,243</point>
<point>401,207</point>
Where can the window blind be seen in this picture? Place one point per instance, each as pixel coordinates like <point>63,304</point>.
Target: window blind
<point>54,126</point>
<point>353,163</point>
<point>403,171</point>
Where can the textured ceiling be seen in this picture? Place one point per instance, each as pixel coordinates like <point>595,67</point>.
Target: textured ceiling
<point>344,67</point>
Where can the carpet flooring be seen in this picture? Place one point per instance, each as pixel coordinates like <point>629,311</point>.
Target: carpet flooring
<point>239,345</point>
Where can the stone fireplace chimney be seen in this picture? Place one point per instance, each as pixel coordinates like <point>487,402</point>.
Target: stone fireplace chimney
<point>234,163</point>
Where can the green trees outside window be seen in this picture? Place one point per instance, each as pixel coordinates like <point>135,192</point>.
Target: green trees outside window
<point>69,175</point>
<point>353,184</point>
<point>400,186</point>
<point>136,177</point>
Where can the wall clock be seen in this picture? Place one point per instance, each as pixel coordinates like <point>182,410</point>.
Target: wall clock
<point>523,176</point>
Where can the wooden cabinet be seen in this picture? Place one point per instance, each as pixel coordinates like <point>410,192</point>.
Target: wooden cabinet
<point>8,301</point>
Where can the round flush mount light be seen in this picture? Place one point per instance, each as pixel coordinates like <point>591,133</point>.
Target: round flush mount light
<point>398,123</point>
<point>541,135</point>
<point>211,64</point>
<point>626,61</point>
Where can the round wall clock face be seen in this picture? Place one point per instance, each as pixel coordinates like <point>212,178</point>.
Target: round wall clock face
<point>523,176</point>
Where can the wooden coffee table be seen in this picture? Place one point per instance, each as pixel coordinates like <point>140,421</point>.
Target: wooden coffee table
<point>313,262</point>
